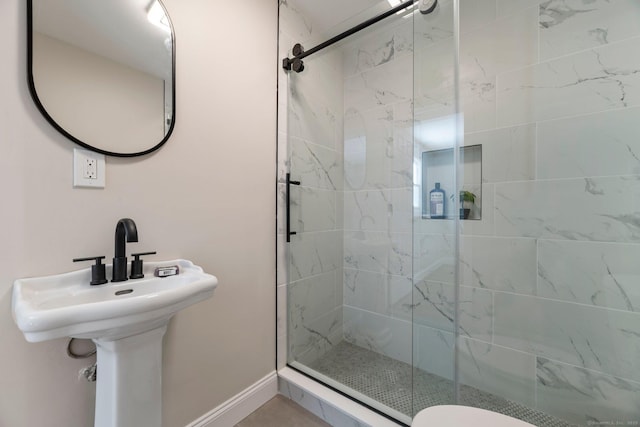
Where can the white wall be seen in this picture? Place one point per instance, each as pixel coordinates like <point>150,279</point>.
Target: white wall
<point>219,167</point>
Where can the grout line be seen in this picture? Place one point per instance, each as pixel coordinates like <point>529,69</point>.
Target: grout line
<point>572,303</point>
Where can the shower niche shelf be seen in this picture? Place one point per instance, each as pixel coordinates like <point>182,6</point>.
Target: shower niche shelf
<point>438,167</point>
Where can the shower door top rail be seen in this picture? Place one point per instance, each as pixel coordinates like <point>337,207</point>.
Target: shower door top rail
<point>296,64</point>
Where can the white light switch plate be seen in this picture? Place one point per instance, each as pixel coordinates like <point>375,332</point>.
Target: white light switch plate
<point>88,169</point>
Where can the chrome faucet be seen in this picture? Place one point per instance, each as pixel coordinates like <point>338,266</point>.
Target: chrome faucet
<point>125,228</point>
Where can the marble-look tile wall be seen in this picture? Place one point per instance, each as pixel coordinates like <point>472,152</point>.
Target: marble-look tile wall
<point>378,94</point>
<point>549,278</point>
<point>310,115</point>
<point>434,244</point>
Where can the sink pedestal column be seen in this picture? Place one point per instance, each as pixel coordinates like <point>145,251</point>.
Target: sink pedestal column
<point>129,380</point>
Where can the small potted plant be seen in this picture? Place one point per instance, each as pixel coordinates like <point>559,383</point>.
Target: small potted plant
<point>467,200</point>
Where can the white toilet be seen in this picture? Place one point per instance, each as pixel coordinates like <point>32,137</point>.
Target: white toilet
<point>462,416</point>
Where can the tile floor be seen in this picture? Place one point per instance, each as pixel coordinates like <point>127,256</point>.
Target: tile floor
<point>407,390</point>
<point>281,412</point>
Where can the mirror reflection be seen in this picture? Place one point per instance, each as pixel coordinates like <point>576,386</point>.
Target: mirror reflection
<point>102,72</point>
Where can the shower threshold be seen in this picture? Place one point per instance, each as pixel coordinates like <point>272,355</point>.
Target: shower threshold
<point>386,385</point>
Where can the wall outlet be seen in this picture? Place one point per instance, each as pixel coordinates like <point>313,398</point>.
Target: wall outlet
<point>88,169</point>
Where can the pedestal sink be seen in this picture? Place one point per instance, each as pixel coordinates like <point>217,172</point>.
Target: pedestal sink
<point>126,320</point>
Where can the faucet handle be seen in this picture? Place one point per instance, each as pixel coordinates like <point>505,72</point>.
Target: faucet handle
<point>136,265</point>
<point>98,274</point>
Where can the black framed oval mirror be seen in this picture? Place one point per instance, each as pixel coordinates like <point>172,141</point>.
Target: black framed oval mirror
<point>102,72</point>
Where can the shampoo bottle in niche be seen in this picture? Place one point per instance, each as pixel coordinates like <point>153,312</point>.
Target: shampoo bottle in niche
<point>436,202</point>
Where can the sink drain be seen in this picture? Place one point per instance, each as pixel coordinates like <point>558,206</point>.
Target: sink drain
<point>124,292</point>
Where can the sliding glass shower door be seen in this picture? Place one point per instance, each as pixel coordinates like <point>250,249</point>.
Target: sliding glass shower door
<point>437,181</point>
<point>314,192</point>
<point>353,193</point>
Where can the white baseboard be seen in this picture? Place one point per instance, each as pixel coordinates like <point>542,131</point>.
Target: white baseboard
<point>241,405</point>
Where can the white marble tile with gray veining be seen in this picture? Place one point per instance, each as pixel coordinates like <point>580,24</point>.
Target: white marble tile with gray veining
<point>586,397</point>
<point>478,102</point>
<point>282,261</point>
<point>475,14</point>
<point>508,154</point>
<point>595,338</point>
<point>403,117</point>
<point>284,45</point>
<point>597,209</point>
<point>281,207</point>
<point>431,28</point>
<point>381,334</point>
<point>283,153</point>
<point>503,264</point>
<point>403,37</point>
<point>434,257</point>
<point>281,348</point>
<point>314,296</point>
<point>374,157</point>
<point>434,85</point>
<point>315,102</point>
<point>356,145</point>
<point>281,326</point>
<point>568,26</point>
<point>311,121</point>
<point>434,306</point>
<point>314,253</point>
<point>379,293</point>
<point>311,339</point>
<point>508,7</point>
<point>339,210</point>
<point>403,145</point>
<point>430,226</point>
<point>364,54</point>
<point>376,47</point>
<point>293,21</point>
<point>378,210</point>
<point>383,85</point>
<point>401,153</point>
<point>336,417</point>
<point>505,45</point>
<point>315,166</point>
<point>475,313</point>
<point>318,407</point>
<point>601,274</point>
<point>501,371</point>
<point>599,144</point>
<point>601,79</point>
<point>434,351</point>
<point>312,209</point>
<point>381,252</point>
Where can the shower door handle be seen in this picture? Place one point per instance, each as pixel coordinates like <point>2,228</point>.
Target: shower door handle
<point>288,204</point>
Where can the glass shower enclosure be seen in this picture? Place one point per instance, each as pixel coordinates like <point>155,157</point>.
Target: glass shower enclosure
<point>459,206</point>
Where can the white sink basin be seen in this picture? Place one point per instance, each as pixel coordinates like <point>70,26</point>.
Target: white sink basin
<point>126,321</point>
<point>65,305</point>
